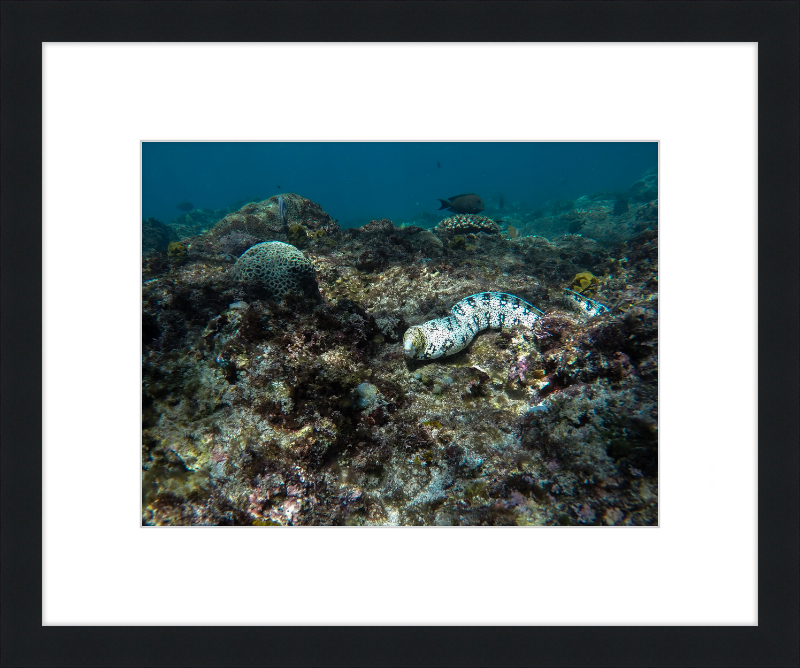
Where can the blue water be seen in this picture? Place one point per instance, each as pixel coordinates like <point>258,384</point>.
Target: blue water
<point>359,181</point>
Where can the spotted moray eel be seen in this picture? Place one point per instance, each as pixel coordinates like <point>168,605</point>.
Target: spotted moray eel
<point>453,333</point>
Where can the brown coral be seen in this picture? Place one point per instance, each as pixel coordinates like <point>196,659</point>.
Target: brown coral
<point>469,223</point>
<point>262,220</point>
<point>277,266</point>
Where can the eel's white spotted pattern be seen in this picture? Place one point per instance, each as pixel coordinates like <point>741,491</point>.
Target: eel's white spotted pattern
<point>453,333</point>
<point>589,306</point>
<point>449,335</point>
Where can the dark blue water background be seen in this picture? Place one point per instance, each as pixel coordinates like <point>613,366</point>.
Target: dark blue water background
<point>356,182</point>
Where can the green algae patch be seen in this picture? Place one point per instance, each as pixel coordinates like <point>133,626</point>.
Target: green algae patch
<point>585,283</point>
<point>297,235</point>
<point>459,242</point>
<point>177,251</point>
<point>475,491</point>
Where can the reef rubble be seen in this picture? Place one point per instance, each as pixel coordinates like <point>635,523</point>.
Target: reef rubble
<point>301,409</point>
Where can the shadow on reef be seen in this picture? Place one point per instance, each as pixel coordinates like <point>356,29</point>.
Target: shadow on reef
<point>276,392</point>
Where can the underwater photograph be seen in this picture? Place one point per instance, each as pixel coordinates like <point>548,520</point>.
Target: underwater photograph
<point>400,333</point>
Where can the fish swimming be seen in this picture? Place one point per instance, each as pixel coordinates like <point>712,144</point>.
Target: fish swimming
<point>453,333</point>
<point>438,164</point>
<point>467,203</point>
<point>282,212</point>
<point>185,206</point>
<point>501,203</point>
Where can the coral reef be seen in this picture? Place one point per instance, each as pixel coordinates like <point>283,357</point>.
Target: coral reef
<point>263,222</point>
<point>601,217</point>
<point>235,243</point>
<point>649,212</point>
<point>278,267</point>
<point>156,236</point>
<point>196,221</point>
<point>646,188</point>
<point>463,222</point>
<point>266,406</point>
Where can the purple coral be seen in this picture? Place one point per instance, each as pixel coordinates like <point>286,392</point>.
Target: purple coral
<point>518,370</point>
<point>585,513</point>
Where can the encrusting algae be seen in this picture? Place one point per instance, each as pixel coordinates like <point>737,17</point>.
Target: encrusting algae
<point>584,282</point>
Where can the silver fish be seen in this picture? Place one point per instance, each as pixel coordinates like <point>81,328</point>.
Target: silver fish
<point>282,212</point>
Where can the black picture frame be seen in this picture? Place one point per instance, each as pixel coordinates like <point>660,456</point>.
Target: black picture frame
<point>25,25</point>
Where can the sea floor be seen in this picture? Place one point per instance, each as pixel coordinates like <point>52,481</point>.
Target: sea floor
<point>301,409</point>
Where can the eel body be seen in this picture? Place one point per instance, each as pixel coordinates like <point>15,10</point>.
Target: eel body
<point>453,333</point>
<point>589,306</point>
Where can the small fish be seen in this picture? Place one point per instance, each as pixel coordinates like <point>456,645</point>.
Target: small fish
<point>282,212</point>
<point>438,164</point>
<point>502,202</point>
<point>185,206</point>
<point>278,187</point>
<point>513,232</point>
<point>467,203</point>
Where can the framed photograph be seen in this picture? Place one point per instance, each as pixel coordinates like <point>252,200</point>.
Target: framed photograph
<point>459,300</point>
